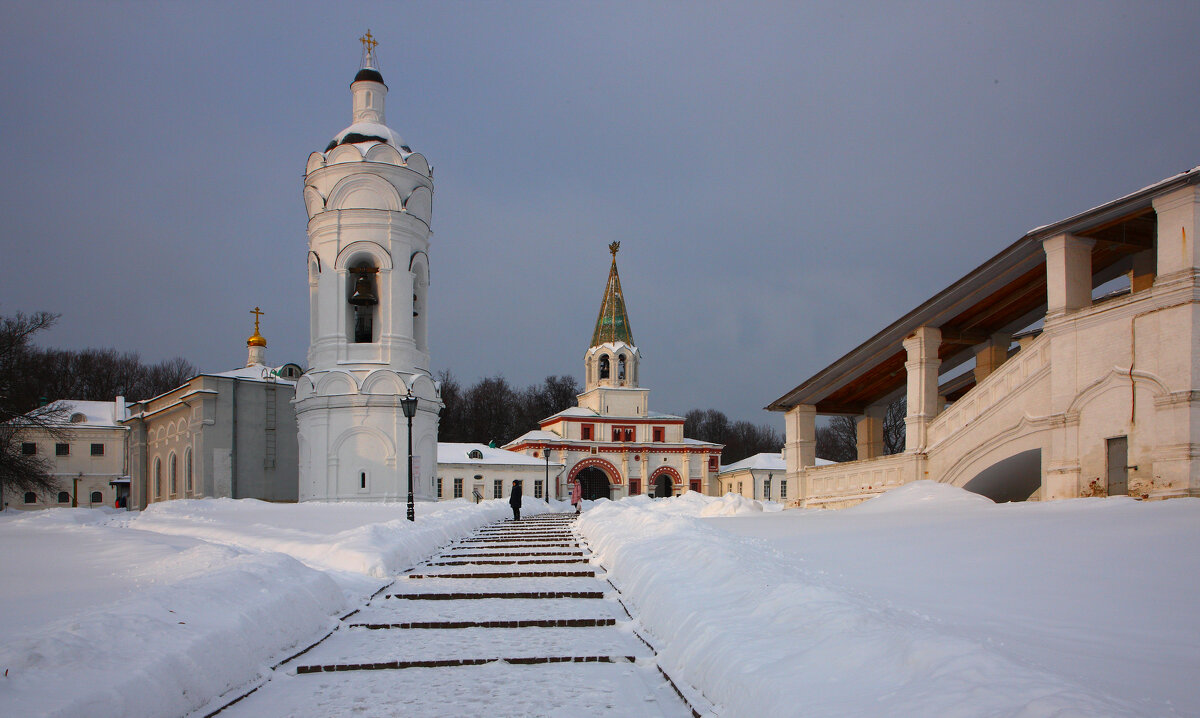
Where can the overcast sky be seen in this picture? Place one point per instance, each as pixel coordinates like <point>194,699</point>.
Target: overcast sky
<point>785,179</point>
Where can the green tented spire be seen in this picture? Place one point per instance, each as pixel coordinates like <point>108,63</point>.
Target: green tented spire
<point>612,326</point>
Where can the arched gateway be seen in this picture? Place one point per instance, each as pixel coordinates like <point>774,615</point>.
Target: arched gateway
<point>593,483</point>
<point>663,487</point>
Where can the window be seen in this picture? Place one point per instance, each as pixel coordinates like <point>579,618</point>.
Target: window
<point>585,432</point>
<point>171,474</point>
<point>458,488</point>
<point>30,497</point>
<point>782,489</point>
<point>62,449</point>
<point>97,449</point>
<point>604,368</point>
<point>497,488</point>
<point>739,487</point>
<point>187,471</point>
<point>767,489</point>
<point>97,497</point>
<point>713,463</point>
<point>158,478</point>
<point>537,489</point>
<point>28,448</point>
<point>474,454</point>
<point>439,487</point>
<point>363,300</point>
<point>658,433</point>
<point>635,487</point>
<point>64,497</point>
<point>362,480</point>
<point>623,433</point>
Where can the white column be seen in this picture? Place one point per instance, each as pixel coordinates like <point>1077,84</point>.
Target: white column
<point>922,369</point>
<point>870,433</point>
<point>1178,227</point>
<point>989,358</point>
<point>1068,273</point>
<point>800,447</point>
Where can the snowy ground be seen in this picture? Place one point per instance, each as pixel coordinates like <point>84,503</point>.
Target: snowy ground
<point>926,601</point>
<point>160,612</point>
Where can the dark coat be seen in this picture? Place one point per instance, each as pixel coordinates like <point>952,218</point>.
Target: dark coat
<point>514,499</point>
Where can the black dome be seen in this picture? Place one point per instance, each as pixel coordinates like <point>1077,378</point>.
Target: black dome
<point>368,74</point>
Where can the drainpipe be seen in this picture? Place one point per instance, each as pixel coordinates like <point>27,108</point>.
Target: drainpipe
<point>233,494</point>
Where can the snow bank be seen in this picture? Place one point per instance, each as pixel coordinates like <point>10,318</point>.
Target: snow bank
<point>930,602</point>
<point>159,613</point>
<point>731,505</point>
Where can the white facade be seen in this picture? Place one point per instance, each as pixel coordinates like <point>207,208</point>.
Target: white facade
<point>370,202</point>
<point>467,468</point>
<point>88,459</point>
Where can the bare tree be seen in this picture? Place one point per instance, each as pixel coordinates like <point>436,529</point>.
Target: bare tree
<point>21,471</point>
<point>838,440</point>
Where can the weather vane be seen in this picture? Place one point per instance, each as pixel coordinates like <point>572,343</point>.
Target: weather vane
<point>613,248</point>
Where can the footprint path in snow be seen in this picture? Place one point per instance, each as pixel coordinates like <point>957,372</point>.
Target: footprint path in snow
<point>510,621</point>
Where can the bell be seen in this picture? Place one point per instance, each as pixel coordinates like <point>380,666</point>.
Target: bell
<point>362,296</point>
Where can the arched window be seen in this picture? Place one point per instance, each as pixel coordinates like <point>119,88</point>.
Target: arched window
<point>171,474</point>
<point>474,454</point>
<point>30,497</point>
<point>604,368</point>
<point>420,279</point>
<point>158,478</point>
<point>187,472</point>
<point>97,497</point>
<point>64,497</point>
<point>621,368</point>
<point>362,297</point>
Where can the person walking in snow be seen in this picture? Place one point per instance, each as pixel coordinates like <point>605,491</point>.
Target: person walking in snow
<point>514,499</point>
<point>577,497</point>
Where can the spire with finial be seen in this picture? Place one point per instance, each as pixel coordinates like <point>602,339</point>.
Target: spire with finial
<point>612,325</point>
<point>368,52</point>
<point>257,343</point>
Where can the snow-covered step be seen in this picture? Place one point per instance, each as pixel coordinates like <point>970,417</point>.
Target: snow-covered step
<point>392,611</point>
<point>362,645</point>
<point>505,595</point>
<point>562,690</point>
<point>491,585</point>
<point>499,572</point>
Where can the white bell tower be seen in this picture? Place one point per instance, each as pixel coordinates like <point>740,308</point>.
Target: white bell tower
<point>370,204</point>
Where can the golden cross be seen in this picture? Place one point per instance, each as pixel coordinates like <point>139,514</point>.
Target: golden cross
<point>368,42</point>
<point>257,313</point>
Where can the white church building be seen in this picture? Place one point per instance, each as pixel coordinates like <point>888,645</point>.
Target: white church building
<point>370,203</point>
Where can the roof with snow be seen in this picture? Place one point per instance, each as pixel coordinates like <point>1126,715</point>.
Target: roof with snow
<point>1004,294</point>
<point>453,453</point>
<point>88,413</point>
<point>765,461</point>
<point>257,372</point>
<point>579,411</point>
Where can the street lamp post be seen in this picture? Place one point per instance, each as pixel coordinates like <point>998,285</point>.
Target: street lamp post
<point>546,453</point>
<point>409,405</point>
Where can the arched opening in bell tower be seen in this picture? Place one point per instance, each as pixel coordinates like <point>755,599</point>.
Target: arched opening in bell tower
<point>621,368</point>
<point>363,301</point>
<point>604,366</point>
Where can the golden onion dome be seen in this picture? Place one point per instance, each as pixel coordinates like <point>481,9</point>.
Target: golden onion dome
<point>256,339</point>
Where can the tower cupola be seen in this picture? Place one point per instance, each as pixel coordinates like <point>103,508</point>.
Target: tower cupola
<point>256,345</point>
<point>368,121</point>
<point>612,359</point>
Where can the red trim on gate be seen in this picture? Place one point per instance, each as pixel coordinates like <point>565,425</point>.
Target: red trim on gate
<point>614,476</point>
<point>666,470</point>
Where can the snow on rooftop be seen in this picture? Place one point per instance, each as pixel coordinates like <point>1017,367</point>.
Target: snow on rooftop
<point>454,453</point>
<point>257,372</point>
<point>373,129</point>
<point>765,461</point>
<point>535,435</point>
<point>94,413</point>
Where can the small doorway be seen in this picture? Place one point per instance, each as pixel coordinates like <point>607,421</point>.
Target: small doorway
<point>593,484</point>
<point>694,485</point>
<point>662,486</point>
<point>635,487</point>
<point>1118,466</point>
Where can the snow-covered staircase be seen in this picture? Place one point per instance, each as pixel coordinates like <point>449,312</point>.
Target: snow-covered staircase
<point>513,620</point>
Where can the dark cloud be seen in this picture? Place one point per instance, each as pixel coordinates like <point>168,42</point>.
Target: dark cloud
<point>785,179</point>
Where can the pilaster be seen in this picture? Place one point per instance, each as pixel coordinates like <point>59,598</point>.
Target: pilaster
<point>922,367</point>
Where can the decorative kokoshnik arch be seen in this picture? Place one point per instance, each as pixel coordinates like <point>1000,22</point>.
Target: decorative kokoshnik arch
<point>666,470</point>
<point>614,476</point>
